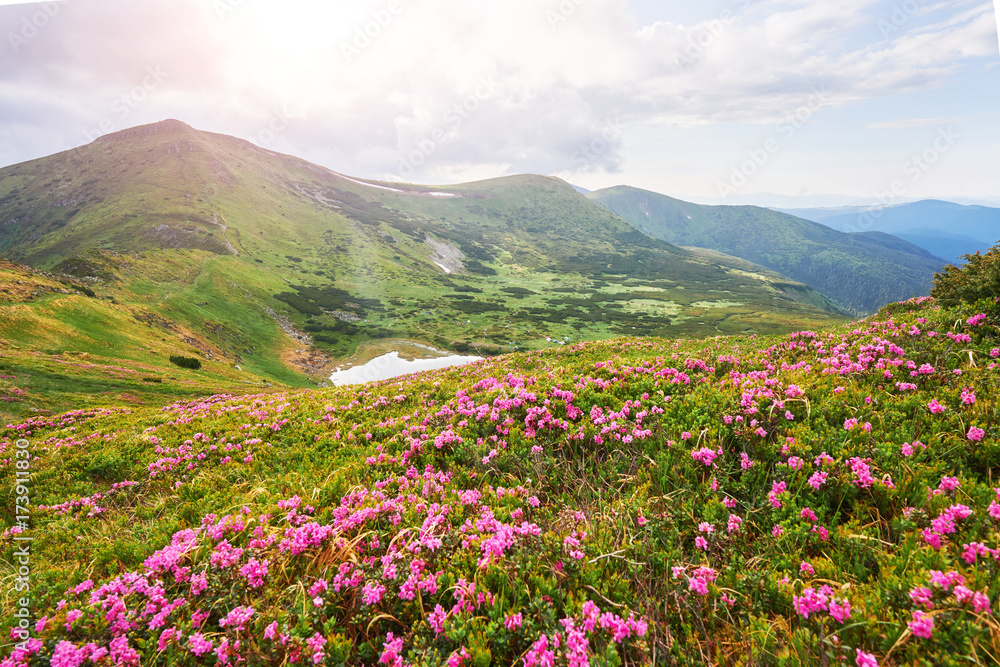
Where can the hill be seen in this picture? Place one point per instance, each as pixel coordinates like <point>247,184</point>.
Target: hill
<point>279,266</point>
<point>947,229</point>
<point>817,498</point>
<point>860,273</point>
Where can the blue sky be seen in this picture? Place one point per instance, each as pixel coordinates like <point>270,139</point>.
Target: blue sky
<point>762,101</point>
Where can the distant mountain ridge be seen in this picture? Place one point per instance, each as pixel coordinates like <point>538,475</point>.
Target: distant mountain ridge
<point>860,272</point>
<point>947,229</point>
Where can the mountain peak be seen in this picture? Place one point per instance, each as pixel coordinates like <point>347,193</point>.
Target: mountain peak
<point>168,126</point>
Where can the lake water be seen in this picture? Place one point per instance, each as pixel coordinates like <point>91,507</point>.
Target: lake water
<point>392,365</point>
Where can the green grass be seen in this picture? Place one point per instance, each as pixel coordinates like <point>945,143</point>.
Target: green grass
<point>585,488</point>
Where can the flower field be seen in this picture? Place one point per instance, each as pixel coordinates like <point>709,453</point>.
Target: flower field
<point>820,498</point>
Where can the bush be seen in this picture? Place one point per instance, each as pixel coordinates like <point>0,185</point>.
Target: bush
<point>978,279</point>
<point>186,362</point>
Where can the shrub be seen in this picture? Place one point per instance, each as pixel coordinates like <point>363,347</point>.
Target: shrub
<point>186,362</point>
<point>978,279</point>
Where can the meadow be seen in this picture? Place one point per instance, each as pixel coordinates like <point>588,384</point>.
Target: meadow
<point>817,498</point>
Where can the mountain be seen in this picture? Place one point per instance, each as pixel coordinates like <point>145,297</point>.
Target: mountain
<point>944,228</point>
<point>246,257</point>
<point>860,272</point>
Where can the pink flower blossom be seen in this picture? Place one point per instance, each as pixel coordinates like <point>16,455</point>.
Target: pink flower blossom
<point>254,572</point>
<point>976,434</point>
<point>237,618</point>
<point>436,619</point>
<point>777,488</point>
<point>921,595</point>
<point>705,456</point>
<point>922,625</point>
<point>840,611</point>
<point>865,659</point>
<point>935,407</point>
<point>390,651</point>
<point>817,479</point>
<point>200,645</point>
<point>949,484</point>
<point>372,593</point>
<point>810,602</point>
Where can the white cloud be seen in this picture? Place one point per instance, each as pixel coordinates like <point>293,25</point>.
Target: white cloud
<point>912,122</point>
<point>518,85</point>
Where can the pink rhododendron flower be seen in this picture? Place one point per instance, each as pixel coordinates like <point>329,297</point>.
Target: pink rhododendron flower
<point>237,618</point>
<point>513,621</point>
<point>840,611</point>
<point>921,595</point>
<point>976,434</point>
<point>922,625</point>
<point>863,659</point>
<point>705,456</point>
<point>372,593</point>
<point>199,644</point>
<point>390,651</point>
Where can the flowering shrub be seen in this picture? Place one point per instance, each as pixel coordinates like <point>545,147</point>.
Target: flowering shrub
<point>820,498</point>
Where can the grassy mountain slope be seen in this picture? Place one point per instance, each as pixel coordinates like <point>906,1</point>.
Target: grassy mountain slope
<point>257,251</point>
<point>61,349</point>
<point>859,272</point>
<point>817,498</point>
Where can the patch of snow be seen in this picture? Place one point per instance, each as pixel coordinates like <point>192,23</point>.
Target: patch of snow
<point>370,185</point>
<point>443,267</point>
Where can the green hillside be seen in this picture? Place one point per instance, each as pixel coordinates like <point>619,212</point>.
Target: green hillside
<point>821,498</point>
<point>282,267</point>
<point>860,272</point>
